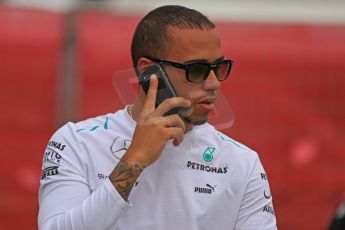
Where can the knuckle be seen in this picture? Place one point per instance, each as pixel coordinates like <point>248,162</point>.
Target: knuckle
<point>160,120</point>
<point>175,117</point>
<point>183,126</point>
<point>160,131</point>
<point>155,124</point>
<point>170,102</point>
<point>179,121</point>
<point>173,101</point>
<point>181,132</point>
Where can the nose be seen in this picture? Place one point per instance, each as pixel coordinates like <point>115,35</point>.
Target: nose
<point>211,83</point>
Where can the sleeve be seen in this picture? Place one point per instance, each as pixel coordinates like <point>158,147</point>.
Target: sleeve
<point>256,211</point>
<point>65,198</point>
<point>338,221</point>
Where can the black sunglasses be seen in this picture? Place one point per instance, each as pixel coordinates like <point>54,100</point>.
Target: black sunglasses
<point>198,71</point>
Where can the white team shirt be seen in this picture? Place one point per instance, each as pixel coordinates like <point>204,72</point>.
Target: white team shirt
<point>208,182</point>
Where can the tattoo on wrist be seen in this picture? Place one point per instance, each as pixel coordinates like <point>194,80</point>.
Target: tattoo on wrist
<point>124,177</point>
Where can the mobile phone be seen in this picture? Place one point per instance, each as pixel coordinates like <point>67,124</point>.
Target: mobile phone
<point>164,91</point>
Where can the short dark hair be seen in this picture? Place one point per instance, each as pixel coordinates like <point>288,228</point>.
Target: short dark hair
<point>151,33</point>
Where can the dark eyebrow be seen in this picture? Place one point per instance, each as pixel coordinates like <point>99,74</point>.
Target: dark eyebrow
<point>203,60</point>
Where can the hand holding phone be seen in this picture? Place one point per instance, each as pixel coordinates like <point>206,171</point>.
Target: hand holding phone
<point>165,89</point>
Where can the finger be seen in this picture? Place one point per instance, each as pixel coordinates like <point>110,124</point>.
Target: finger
<point>176,134</point>
<point>170,103</point>
<point>150,99</point>
<point>174,121</point>
<point>166,122</point>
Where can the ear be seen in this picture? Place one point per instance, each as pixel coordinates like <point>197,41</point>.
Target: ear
<point>142,63</point>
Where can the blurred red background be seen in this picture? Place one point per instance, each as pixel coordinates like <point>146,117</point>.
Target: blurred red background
<point>287,92</point>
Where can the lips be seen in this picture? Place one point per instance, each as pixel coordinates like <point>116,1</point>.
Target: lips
<point>208,101</point>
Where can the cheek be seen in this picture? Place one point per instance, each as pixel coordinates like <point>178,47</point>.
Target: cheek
<point>186,90</point>
<point>183,87</point>
<point>178,80</point>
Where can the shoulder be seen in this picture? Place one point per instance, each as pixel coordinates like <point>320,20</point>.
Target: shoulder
<point>72,135</point>
<point>92,124</point>
<point>70,132</point>
<point>66,147</point>
<point>95,127</point>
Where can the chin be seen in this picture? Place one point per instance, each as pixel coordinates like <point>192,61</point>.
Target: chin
<point>199,122</point>
<point>195,121</point>
<point>196,117</point>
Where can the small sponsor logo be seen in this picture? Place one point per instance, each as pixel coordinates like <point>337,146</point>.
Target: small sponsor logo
<point>212,187</point>
<point>268,209</point>
<point>52,156</point>
<point>50,171</point>
<point>208,154</point>
<point>206,190</point>
<point>263,176</point>
<point>101,176</point>
<point>119,146</point>
<point>267,196</point>
<point>207,168</point>
<point>56,145</point>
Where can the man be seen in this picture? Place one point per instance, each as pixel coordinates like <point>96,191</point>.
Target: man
<point>338,221</point>
<point>139,169</point>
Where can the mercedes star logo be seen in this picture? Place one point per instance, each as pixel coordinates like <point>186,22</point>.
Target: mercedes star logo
<point>119,146</point>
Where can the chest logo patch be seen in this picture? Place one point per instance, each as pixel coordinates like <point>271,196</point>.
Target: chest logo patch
<point>119,147</point>
<point>208,154</point>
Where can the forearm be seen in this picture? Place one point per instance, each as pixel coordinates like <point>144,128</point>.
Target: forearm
<point>124,176</point>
